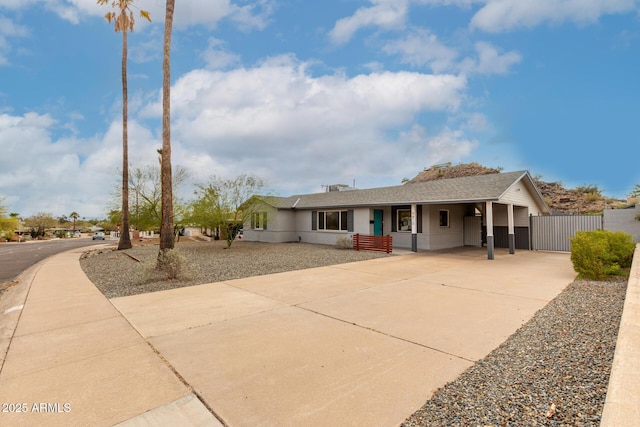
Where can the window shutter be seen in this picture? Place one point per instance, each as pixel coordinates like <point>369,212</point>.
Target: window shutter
<point>314,220</point>
<point>253,221</point>
<point>394,219</point>
<point>264,221</point>
<point>419,218</point>
<point>350,220</point>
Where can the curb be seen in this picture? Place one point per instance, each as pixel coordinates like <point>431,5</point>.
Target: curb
<point>11,305</point>
<point>622,404</point>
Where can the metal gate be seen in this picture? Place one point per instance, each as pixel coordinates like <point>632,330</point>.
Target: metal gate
<point>554,232</point>
<point>472,231</point>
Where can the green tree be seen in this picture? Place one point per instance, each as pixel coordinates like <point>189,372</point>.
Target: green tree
<point>8,224</point>
<point>39,223</point>
<point>180,217</point>
<point>74,216</point>
<point>124,22</point>
<point>226,204</point>
<point>203,210</point>
<point>166,228</point>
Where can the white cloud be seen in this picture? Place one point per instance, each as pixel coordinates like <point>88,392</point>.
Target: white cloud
<point>186,13</point>
<point>477,122</point>
<point>490,60</point>
<point>253,16</point>
<point>67,172</point>
<point>459,3</point>
<point>504,15</point>
<point>275,120</point>
<point>217,57</point>
<point>8,29</point>
<point>422,48</point>
<point>34,176</point>
<point>299,131</point>
<point>450,145</point>
<point>143,51</point>
<point>17,4</point>
<point>191,12</point>
<point>423,150</point>
<point>387,14</point>
<point>374,66</point>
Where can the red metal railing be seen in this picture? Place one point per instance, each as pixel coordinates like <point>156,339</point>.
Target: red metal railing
<point>372,243</point>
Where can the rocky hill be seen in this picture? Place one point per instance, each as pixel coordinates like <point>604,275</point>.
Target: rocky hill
<point>587,199</point>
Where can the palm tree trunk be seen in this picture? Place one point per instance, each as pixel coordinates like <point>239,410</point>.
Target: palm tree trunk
<point>166,228</point>
<point>125,239</point>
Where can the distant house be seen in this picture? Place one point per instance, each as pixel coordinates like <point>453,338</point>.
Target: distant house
<point>471,211</point>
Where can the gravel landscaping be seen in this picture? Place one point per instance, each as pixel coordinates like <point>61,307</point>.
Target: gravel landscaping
<point>553,371</point>
<point>131,272</point>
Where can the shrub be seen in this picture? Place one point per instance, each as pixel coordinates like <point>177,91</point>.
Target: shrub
<point>601,253</point>
<point>171,262</point>
<point>622,247</point>
<point>589,189</point>
<point>344,242</point>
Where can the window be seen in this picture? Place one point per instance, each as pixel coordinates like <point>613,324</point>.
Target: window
<point>401,219</point>
<point>404,220</point>
<point>444,218</point>
<point>333,220</point>
<point>259,221</point>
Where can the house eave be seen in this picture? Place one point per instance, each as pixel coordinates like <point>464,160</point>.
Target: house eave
<point>395,203</point>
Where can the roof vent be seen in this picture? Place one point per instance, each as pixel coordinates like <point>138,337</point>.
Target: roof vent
<point>338,187</point>
<point>440,166</point>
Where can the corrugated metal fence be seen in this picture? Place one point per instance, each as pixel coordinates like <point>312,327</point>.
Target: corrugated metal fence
<point>553,233</point>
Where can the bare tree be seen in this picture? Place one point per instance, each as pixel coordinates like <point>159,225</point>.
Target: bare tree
<point>146,195</point>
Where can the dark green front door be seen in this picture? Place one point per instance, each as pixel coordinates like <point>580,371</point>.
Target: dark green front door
<point>377,222</point>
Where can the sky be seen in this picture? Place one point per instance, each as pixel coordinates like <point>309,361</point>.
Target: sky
<point>304,94</point>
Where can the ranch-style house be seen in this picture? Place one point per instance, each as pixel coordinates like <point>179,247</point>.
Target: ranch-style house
<point>492,210</point>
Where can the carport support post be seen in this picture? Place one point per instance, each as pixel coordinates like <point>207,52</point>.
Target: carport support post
<point>512,234</point>
<point>414,228</point>
<point>489,212</point>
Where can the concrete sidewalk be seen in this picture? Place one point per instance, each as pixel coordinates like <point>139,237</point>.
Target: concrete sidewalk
<point>354,344</point>
<point>73,360</point>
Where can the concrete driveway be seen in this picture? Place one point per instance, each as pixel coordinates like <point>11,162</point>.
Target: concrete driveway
<point>365,343</point>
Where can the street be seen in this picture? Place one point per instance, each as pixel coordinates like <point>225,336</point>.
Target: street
<point>17,257</point>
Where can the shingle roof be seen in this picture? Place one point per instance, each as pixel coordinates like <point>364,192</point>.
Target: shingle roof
<point>455,190</point>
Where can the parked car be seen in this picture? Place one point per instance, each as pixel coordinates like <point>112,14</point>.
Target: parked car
<point>98,235</point>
